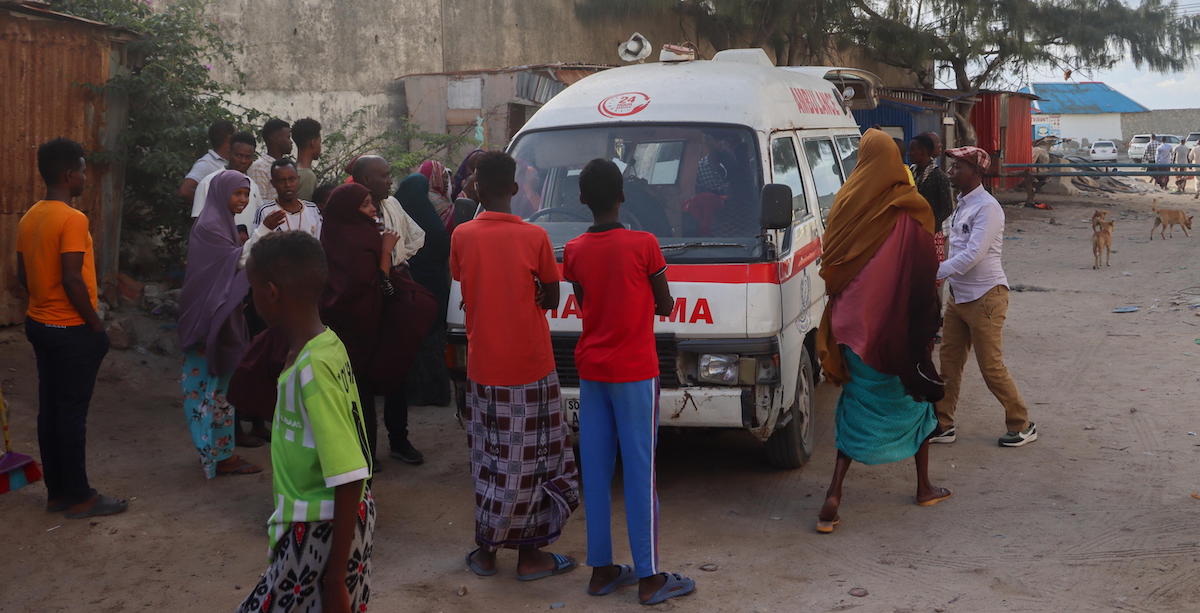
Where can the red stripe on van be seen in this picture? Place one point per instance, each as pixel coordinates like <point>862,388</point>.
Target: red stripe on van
<point>767,272</point>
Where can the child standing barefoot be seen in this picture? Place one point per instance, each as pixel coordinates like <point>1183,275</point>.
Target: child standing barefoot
<point>321,530</point>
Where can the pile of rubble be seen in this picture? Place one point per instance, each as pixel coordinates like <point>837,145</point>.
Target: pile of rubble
<point>1074,186</point>
<point>150,327</point>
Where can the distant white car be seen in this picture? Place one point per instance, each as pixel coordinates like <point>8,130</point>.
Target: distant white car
<point>1193,139</point>
<point>1104,151</point>
<point>1137,144</point>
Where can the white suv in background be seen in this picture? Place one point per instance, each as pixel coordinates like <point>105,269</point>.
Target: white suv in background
<point>1104,151</point>
<point>1193,139</point>
<point>1137,144</point>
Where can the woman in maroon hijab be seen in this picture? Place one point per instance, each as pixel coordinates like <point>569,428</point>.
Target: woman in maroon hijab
<point>354,302</point>
<point>212,325</point>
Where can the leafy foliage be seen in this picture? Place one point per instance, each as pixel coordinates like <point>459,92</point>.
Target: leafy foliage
<point>173,98</point>
<point>404,147</point>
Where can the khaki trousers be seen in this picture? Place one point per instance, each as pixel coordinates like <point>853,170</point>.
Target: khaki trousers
<point>980,324</point>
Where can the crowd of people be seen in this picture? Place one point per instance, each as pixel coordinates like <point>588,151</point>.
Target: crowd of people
<point>1167,156</point>
<point>304,311</point>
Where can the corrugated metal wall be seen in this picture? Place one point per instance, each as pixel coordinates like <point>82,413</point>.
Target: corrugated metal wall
<point>1018,148</point>
<point>912,119</point>
<point>985,116</point>
<point>44,63</point>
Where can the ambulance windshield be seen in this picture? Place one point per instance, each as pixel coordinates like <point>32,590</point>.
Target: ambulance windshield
<point>695,187</point>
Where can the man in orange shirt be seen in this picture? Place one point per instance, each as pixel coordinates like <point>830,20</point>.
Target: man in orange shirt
<point>526,481</point>
<point>55,264</point>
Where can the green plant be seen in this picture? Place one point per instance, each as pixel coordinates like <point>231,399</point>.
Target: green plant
<point>404,147</point>
<point>173,98</point>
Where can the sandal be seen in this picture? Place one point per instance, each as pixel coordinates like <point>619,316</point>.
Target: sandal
<point>475,567</point>
<point>827,527</point>
<point>104,505</point>
<point>562,564</point>
<point>241,468</point>
<point>625,577</point>
<point>943,494</point>
<point>677,585</point>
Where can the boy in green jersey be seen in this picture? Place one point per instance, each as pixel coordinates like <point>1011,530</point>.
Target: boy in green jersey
<point>321,530</point>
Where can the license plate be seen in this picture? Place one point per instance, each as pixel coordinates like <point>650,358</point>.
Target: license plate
<point>573,412</point>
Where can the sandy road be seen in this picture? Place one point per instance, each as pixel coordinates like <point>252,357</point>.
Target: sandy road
<point>1095,516</point>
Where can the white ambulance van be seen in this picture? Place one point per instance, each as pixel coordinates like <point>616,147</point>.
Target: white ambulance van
<point>733,164</point>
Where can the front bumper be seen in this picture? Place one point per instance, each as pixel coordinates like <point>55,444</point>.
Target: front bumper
<point>698,407</point>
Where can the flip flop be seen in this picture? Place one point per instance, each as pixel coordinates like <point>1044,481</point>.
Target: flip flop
<point>624,577</point>
<point>105,505</point>
<point>562,564</point>
<point>933,501</point>
<point>242,468</point>
<point>475,567</point>
<point>677,585</point>
<point>827,527</point>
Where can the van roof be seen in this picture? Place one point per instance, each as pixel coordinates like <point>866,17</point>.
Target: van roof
<point>741,87</point>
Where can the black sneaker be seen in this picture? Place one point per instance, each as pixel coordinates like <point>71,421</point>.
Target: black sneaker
<point>945,437</point>
<point>408,454</point>
<point>1016,439</point>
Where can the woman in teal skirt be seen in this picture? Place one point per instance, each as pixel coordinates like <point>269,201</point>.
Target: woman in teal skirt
<point>212,326</point>
<point>876,336</point>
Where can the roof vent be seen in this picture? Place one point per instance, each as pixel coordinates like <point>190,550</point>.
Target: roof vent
<point>684,52</point>
<point>756,57</point>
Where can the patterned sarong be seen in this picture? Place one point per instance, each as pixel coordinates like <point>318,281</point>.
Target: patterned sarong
<point>292,582</point>
<point>526,480</point>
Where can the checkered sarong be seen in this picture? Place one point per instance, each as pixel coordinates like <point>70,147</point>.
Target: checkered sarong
<point>526,480</point>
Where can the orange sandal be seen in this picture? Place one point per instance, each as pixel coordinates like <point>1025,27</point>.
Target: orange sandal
<point>827,527</point>
<point>936,499</point>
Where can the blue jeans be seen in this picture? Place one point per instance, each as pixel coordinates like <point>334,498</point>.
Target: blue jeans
<point>620,417</point>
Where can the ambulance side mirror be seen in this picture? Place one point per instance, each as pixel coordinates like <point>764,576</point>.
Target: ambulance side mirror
<point>776,206</point>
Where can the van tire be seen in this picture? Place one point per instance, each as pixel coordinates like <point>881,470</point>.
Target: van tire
<point>791,445</point>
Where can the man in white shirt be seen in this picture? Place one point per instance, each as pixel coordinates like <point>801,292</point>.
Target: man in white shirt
<point>277,138</point>
<point>217,158</point>
<point>241,155</point>
<point>978,301</point>
<point>1180,156</point>
<point>374,173</point>
<point>288,212</point>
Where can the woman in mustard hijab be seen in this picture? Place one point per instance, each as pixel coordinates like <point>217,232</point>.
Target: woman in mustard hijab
<point>876,336</point>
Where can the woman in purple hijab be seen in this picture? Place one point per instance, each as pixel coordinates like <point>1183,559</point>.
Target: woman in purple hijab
<point>212,326</point>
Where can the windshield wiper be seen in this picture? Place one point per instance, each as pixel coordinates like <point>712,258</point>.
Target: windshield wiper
<point>698,244</point>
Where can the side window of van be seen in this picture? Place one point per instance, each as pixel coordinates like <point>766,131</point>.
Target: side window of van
<point>847,147</point>
<point>785,170</point>
<point>826,171</point>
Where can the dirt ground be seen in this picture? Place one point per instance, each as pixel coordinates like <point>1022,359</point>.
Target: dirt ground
<point>1094,516</point>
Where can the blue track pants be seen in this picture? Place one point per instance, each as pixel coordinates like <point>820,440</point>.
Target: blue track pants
<point>620,417</point>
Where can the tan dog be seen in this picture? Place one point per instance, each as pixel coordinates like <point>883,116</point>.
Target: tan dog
<point>1167,219</point>
<point>1099,216</point>
<point>1102,241</point>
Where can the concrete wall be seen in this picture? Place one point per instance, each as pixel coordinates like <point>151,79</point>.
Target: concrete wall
<point>1092,126</point>
<point>326,59</point>
<point>1164,121</point>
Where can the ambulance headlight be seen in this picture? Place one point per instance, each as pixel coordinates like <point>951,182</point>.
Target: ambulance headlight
<point>718,368</point>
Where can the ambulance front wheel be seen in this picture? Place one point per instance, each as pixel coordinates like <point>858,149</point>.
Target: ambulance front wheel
<point>791,445</point>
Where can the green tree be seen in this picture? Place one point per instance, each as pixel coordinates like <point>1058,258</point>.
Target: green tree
<point>404,146</point>
<point>173,98</point>
<point>989,43</point>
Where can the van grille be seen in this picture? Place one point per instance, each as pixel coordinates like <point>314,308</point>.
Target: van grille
<point>568,375</point>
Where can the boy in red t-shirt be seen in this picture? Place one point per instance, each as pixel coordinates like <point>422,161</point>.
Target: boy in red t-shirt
<point>620,282</point>
<point>526,482</point>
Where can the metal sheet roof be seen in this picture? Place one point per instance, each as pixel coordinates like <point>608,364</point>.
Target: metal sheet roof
<point>1082,99</point>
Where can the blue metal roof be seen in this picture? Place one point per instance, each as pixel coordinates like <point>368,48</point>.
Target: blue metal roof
<point>1081,98</point>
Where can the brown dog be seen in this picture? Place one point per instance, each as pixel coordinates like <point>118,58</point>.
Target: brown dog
<point>1167,219</point>
<point>1102,241</point>
<point>1099,216</point>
